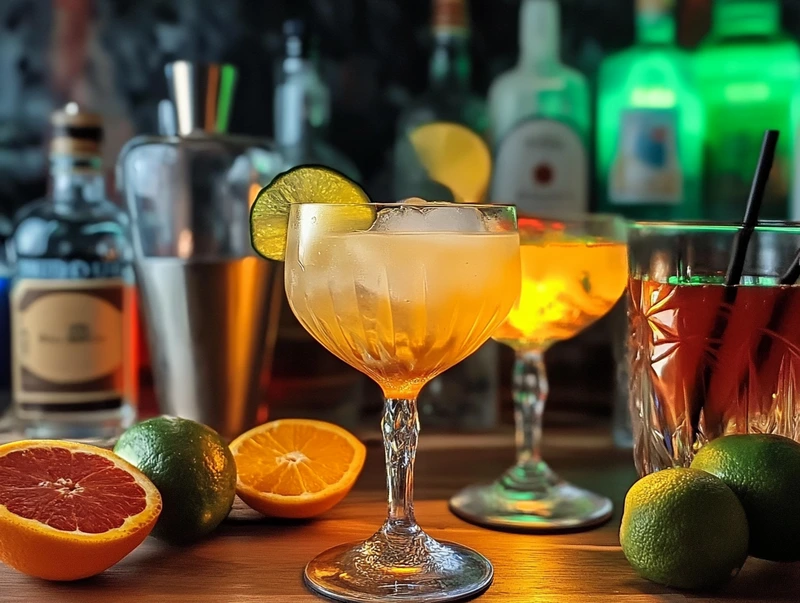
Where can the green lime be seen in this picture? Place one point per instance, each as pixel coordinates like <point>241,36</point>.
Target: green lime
<point>269,216</point>
<point>764,472</point>
<point>193,469</point>
<point>684,528</point>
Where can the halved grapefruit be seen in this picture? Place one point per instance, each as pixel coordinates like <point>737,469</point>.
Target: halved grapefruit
<point>69,511</point>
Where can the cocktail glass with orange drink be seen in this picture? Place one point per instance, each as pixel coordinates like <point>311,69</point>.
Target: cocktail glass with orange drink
<point>708,360</point>
<point>402,292</point>
<point>573,272</point>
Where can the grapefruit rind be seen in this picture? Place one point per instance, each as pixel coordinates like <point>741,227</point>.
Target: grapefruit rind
<point>36,549</point>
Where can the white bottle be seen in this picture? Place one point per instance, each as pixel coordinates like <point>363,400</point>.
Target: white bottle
<point>539,120</point>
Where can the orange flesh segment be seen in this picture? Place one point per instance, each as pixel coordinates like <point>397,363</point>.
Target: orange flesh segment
<point>293,462</point>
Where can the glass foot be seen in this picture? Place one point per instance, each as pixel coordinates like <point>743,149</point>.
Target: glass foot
<point>404,565</point>
<point>531,498</point>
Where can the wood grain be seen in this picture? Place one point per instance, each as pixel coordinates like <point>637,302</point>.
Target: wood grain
<point>251,559</point>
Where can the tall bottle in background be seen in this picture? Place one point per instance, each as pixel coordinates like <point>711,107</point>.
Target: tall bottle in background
<point>748,70</point>
<point>302,107</point>
<point>72,308</point>
<point>307,380</point>
<point>540,121</point>
<point>449,95</point>
<point>466,396</point>
<point>5,324</point>
<point>650,124</point>
<point>448,98</point>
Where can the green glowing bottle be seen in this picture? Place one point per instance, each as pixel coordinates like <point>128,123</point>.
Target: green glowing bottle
<point>650,124</point>
<point>748,70</point>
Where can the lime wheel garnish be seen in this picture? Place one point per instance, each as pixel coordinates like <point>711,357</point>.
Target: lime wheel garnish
<point>269,215</point>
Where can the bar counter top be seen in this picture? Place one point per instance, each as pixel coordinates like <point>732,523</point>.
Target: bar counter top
<point>250,559</point>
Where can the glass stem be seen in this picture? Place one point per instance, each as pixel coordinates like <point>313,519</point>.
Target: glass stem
<point>529,392</point>
<point>400,426</point>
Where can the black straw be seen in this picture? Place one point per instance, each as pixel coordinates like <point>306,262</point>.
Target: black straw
<point>793,273</point>
<point>735,269</point>
<point>754,201</point>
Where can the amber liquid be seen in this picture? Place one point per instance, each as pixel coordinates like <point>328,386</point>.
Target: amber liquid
<point>566,286</point>
<point>402,307</point>
<point>695,381</point>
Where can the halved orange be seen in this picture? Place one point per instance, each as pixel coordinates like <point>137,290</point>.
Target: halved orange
<point>296,468</point>
<point>69,511</point>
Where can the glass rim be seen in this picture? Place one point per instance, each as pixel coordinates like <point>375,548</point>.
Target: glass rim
<point>574,217</point>
<point>385,204</point>
<point>708,226</point>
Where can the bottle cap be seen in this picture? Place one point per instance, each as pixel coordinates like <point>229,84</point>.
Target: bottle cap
<point>294,28</point>
<point>202,94</point>
<point>75,132</point>
<point>449,15</point>
<point>294,38</point>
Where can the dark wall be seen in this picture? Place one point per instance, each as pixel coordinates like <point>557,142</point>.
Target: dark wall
<point>109,54</point>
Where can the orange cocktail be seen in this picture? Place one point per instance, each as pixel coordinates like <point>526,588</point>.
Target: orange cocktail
<point>573,272</point>
<point>398,306</point>
<point>566,286</point>
<point>401,292</point>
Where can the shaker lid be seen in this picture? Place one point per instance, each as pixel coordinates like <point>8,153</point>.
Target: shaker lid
<point>202,94</point>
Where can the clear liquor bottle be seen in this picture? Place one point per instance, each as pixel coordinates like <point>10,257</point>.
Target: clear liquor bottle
<point>304,372</point>
<point>302,108</point>
<point>747,69</point>
<point>540,120</point>
<point>464,397</point>
<point>650,124</point>
<point>449,95</point>
<point>72,297</point>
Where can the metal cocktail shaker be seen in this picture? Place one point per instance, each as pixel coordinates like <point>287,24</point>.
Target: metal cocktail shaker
<point>208,299</point>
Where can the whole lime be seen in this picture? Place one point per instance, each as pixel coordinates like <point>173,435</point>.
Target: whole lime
<point>192,468</point>
<point>764,472</point>
<point>684,528</point>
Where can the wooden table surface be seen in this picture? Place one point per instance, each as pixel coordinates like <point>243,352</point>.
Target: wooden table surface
<point>251,559</point>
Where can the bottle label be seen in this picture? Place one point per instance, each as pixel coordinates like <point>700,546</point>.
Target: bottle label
<point>646,168</point>
<point>540,166</point>
<point>68,343</point>
<point>39,268</point>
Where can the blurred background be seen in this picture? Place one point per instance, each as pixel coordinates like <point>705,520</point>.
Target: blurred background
<point>373,58</point>
<point>373,55</point>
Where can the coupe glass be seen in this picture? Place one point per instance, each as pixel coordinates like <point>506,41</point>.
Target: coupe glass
<point>573,272</point>
<point>402,292</point>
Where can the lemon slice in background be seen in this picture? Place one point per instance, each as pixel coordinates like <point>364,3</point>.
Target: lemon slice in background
<point>456,157</point>
<point>269,215</point>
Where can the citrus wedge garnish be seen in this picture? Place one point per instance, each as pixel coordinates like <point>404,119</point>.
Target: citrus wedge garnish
<point>456,157</point>
<point>69,511</point>
<point>296,468</point>
<point>269,215</point>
